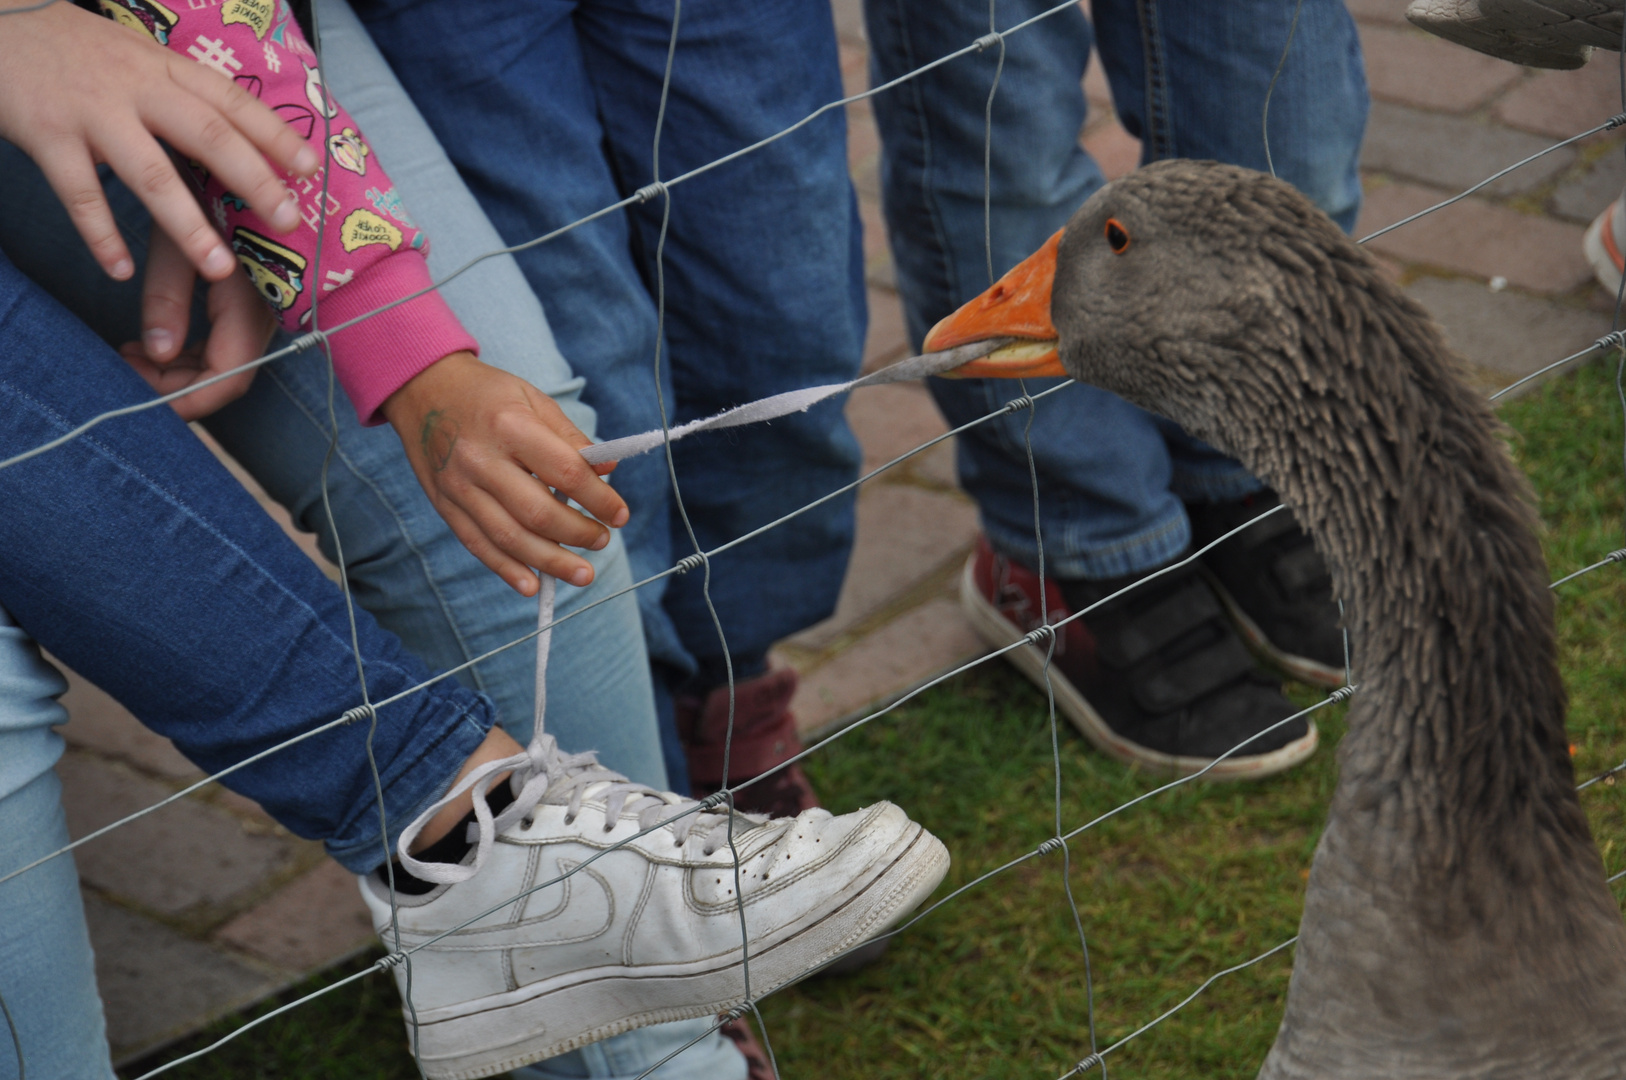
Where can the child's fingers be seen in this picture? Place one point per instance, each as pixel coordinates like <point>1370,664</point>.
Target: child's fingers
<point>71,174</point>
<point>204,134</point>
<point>529,503</point>
<point>552,450</point>
<point>149,173</point>
<point>249,116</point>
<point>166,298</point>
<point>493,538</point>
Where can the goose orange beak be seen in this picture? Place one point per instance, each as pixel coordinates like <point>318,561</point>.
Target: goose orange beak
<point>1017,306</point>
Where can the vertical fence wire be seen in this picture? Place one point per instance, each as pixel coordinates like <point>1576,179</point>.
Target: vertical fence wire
<point>368,709</point>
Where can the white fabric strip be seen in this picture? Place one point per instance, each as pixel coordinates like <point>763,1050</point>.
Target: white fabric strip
<point>794,401</point>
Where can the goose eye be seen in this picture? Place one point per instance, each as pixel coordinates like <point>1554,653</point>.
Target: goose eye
<point>1117,236</point>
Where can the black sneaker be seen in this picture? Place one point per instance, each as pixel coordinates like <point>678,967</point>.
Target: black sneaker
<point>1157,678</point>
<point>1274,585</point>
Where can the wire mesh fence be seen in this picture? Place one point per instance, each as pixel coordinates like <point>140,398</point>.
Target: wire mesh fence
<point>1093,1053</point>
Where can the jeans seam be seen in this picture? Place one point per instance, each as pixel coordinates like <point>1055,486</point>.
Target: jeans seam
<point>1159,124</point>
<point>945,264</point>
<point>401,529</point>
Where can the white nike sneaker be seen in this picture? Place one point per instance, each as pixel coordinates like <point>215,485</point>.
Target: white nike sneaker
<point>1540,33</point>
<point>638,934</point>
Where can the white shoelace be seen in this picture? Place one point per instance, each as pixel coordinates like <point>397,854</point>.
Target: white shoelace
<point>793,401</point>
<point>544,773</point>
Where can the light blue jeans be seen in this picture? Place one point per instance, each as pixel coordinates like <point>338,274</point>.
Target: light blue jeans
<point>404,565</point>
<point>1189,79</point>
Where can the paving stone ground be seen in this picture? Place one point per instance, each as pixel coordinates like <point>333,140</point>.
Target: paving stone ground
<point>208,905</point>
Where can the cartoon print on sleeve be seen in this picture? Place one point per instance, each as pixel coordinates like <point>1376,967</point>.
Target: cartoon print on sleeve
<point>148,16</point>
<point>257,15</point>
<point>277,272</point>
<point>349,151</point>
<point>364,227</point>
<point>316,95</point>
<point>297,117</point>
<point>371,247</point>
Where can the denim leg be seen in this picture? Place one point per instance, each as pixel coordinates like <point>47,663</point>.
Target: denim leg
<point>47,969</point>
<point>1189,79</point>
<point>1111,476</point>
<point>131,554</point>
<point>762,260</point>
<point>504,89</point>
<point>1104,470</point>
<point>47,976</point>
<point>418,581</point>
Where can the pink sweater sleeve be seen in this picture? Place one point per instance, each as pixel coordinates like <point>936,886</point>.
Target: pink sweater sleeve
<point>371,251</point>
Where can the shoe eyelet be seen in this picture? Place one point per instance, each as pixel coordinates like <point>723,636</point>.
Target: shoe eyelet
<point>526,822</point>
<point>609,826</point>
<point>570,819</point>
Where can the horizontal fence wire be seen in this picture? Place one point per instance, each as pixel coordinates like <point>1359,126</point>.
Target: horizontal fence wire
<point>1044,636</point>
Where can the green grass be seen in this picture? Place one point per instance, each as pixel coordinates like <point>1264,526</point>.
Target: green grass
<point>1171,891</point>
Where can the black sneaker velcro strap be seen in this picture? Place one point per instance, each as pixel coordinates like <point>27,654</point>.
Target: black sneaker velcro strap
<point>1165,621</point>
<point>1195,676</point>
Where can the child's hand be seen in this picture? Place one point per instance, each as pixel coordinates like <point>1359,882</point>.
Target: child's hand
<point>77,90</point>
<point>487,446</point>
<point>240,326</point>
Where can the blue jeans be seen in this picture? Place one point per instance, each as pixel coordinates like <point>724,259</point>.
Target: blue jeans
<point>404,564</point>
<point>133,555</point>
<point>548,108</point>
<point>1188,79</point>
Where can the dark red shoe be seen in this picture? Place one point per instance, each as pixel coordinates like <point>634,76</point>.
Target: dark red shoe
<point>764,736</point>
<point>739,1032</point>
<point>1156,678</point>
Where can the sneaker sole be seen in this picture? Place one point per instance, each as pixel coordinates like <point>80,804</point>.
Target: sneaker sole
<point>564,1014</point>
<point>998,631</point>
<point>1301,668</point>
<point>1603,267</point>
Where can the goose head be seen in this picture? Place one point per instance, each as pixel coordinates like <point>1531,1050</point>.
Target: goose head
<point>1165,286</point>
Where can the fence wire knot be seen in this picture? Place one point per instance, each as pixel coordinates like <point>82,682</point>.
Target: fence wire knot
<point>392,960</point>
<point>735,1013</point>
<point>1087,1064</point>
<point>714,800</point>
<point>649,191</point>
<point>1051,846</point>
<point>1040,635</point>
<point>1343,693</point>
<point>988,41</point>
<point>690,562</point>
<point>1616,338</point>
<point>360,712</point>
<point>1618,555</point>
<point>1018,404</point>
<point>307,340</point>
<point>1615,121</point>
